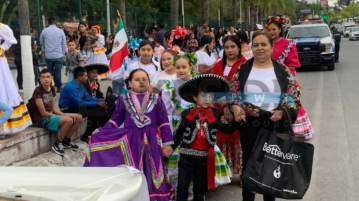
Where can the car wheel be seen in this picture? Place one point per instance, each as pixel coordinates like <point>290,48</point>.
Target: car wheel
<point>331,67</point>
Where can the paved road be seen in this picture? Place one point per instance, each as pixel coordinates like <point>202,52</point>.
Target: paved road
<point>331,100</point>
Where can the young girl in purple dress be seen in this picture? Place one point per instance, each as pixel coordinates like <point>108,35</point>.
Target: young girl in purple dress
<point>137,144</point>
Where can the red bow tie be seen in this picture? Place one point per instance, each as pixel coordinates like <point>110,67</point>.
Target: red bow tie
<point>93,86</point>
<point>203,113</point>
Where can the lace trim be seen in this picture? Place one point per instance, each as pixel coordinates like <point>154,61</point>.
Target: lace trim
<point>193,152</point>
<point>209,135</point>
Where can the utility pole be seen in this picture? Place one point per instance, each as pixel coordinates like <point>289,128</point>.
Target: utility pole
<point>108,18</point>
<point>26,54</point>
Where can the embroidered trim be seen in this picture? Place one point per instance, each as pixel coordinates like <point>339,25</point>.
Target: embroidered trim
<point>169,86</point>
<point>131,109</point>
<point>114,123</point>
<point>188,131</point>
<point>192,152</point>
<point>168,143</point>
<point>286,51</point>
<point>164,124</point>
<point>223,120</point>
<point>177,126</point>
<point>194,133</point>
<point>208,136</point>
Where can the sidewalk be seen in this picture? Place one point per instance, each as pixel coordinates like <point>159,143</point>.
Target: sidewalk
<point>24,146</point>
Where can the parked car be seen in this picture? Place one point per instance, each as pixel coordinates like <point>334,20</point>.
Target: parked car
<point>340,30</point>
<point>315,44</point>
<point>346,32</point>
<point>354,33</point>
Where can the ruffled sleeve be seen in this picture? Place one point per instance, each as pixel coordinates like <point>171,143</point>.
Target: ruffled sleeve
<point>168,94</point>
<point>292,59</point>
<point>7,35</point>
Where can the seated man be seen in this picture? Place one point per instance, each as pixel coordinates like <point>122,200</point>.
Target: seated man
<point>75,99</point>
<point>47,116</point>
<point>93,88</point>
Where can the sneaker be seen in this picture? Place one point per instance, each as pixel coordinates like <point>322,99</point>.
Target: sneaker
<point>71,146</point>
<point>21,91</point>
<point>58,148</point>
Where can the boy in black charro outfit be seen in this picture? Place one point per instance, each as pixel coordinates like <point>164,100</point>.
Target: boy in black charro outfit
<point>196,134</point>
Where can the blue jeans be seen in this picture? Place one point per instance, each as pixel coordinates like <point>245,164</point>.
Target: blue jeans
<point>71,75</point>
<point>55,65</point>
<point>219,48</point>
<point>37,74</point>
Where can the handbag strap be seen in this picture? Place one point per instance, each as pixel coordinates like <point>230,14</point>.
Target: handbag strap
<point>286,117</point>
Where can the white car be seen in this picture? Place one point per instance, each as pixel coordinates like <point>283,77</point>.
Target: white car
<point>354,33</point>
<point>346,32</point>
<point>315,44</point>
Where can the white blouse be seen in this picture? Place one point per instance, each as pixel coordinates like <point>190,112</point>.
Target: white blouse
<point>151,69</point>
<point>204,59</point>
<point>161,78</point>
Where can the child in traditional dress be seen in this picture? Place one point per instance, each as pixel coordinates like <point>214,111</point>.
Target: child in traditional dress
<point>196,132</point>
<point>168,71</point>
<point>138,143</point>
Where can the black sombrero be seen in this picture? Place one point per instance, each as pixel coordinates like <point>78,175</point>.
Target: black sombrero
<point>101,68</point>
<point>206,82</point>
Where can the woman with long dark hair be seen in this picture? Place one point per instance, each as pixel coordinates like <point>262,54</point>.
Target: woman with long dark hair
<point>262,74</point>
<point>206,59</point>
<point>285,52</point>
<point>231,61</point>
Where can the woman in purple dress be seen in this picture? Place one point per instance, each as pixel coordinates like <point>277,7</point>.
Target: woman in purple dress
<point>137,144</point>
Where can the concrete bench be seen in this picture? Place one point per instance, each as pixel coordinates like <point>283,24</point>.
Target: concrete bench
<point>30,142</point>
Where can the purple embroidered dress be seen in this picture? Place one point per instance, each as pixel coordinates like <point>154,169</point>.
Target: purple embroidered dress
<point>137,144</point>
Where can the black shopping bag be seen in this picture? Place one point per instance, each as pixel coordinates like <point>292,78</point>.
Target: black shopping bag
<point>279,168</point>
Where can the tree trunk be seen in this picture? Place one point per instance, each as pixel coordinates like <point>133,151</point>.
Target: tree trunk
<point>221,15</point>
<point>26,54</point>
<point>123,11</point>
<point>234,12</point>
<point>174,13</point>
<point>205,9</point>
<point>246,15</point>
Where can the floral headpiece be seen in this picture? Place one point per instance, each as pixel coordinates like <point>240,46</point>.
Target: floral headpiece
<point>277,18</point>
<point>192,58</point>
<point>177,33</point>
<point>97,27</point>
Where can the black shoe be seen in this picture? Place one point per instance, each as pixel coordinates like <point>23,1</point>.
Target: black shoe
<point>337,61</point>
<point>85,138</point>
<point>69,145</point>
<point>58,148</point>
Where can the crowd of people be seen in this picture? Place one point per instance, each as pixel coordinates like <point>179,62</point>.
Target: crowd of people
<point>157,120</point>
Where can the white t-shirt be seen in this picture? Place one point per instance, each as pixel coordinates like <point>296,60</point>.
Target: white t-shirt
<point>227,69</point>
<point>150,69</point>
<point>262,81</point>
<point>204,59</point>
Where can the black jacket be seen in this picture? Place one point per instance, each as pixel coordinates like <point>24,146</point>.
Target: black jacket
<point>337,37</point>
<point>282,77</point>
<point>186,131</point>
<point>98,93</point>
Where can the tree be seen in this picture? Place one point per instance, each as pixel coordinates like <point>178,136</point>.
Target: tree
<point>205,9</point>
<point>174,13</point>
<point>234,12</point>
<point>123,11</point>
<point>344,3</point>
<point>26,54</point>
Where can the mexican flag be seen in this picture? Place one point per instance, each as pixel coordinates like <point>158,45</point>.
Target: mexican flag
<point>119,52</point>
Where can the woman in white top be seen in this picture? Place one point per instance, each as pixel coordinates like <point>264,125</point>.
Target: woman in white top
<point>168,72</point>
<point>206,59</point>
<point>146,50</point>
<point>262,75</point>
<point>99,50</point>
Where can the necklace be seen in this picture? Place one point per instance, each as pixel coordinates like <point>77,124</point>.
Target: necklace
<point>228,64</point>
